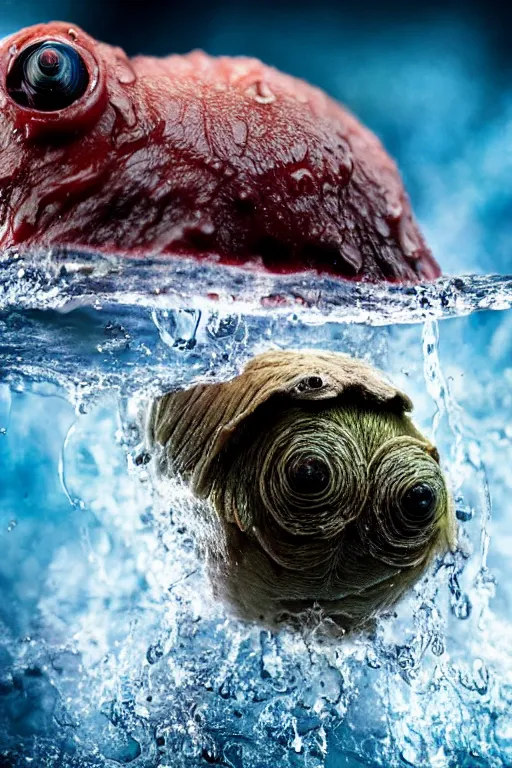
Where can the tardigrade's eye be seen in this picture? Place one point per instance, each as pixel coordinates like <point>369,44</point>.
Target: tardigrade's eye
<point>308,475</point>
<point>418,504</point>
<point>408,498</point>
<point>311,476</point>
<point>47,76</point>
<point>295,485</point>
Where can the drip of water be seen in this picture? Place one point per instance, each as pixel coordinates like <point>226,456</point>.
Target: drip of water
<point>5,408</point>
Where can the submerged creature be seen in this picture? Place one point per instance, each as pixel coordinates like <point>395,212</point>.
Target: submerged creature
<point>328,499</point>
<point>217,158</point>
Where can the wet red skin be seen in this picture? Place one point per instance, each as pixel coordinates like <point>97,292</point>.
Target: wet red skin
<point>215,158</point>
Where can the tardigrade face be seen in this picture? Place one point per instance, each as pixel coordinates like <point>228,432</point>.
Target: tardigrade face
<point>327,495</point>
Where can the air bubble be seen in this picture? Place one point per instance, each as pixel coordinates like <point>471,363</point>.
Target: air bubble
<point>221,326</point>
<point>437,646</point>
<point>464,513</point>
<point>461,607</point>
<point>154,653</point>
<point>177,328</point>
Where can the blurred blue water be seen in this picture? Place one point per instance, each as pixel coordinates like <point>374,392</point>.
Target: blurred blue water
<point>111,648</point>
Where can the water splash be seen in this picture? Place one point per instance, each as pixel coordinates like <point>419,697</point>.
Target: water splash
<point>125,655</point>
<point>122,315</point>
<point>64,282</point>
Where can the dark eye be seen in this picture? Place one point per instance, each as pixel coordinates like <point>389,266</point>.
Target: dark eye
<point>47,77</point>
<point>308,475</point>
<point>419,503</point>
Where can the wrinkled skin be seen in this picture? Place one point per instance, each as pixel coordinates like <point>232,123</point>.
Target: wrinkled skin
<point>221,158</point>
<point>316,477</point>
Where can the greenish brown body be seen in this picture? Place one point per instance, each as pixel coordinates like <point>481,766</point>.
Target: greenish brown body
<point>307,461</point>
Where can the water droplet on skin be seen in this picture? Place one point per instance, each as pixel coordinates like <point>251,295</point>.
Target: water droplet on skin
<point>362,208</point>
<point>382,227</point>
<point>393,210</point>
<point>351,256</point>
<point>206,228</point>
<point>299,150</point>
<point>73,34</point>
<point>124,71</point>
<point>405,237</point>
<point>351,216</point>
<point>260,92</point>
<point>239,129</point>
<point>304,182</point>
<point>328,189</point>
<point>401,228</point>
<point>345,170</point>
<point>13,50</point>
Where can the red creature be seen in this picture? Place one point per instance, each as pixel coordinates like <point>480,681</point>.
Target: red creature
<point>223,159</point>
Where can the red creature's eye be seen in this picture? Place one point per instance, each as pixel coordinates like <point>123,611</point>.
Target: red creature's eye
<point>48,76</point>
